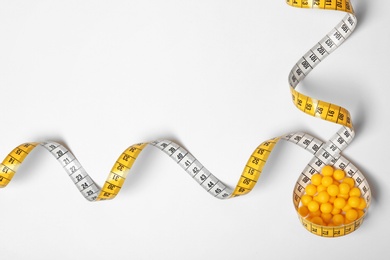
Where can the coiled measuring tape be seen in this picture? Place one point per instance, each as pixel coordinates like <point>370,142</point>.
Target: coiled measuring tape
<point>324,153</point>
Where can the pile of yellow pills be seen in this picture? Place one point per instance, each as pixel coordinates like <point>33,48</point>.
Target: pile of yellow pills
<point>332,199</point>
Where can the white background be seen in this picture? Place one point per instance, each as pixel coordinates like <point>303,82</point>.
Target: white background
<point>99,76</point>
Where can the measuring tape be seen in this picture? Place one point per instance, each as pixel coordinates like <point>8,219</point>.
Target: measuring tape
<point>324,153</point>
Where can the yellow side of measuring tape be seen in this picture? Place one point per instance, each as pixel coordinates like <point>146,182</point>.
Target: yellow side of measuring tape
<point>325,153</point>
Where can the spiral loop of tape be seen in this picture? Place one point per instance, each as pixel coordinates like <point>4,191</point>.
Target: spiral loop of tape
<point>324,153</point>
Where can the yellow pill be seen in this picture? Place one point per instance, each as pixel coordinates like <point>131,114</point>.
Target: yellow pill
<point>346,207</point>
<point>327,181</point>
<point>323,197</point>
<point>326,207</point>
<point>338,174</point>
<point>338,219</point>
<point>317,220</point>
<point>333,190</point>
<point>327,170</point>
<point>349,181</point>
<point>321,188</point>
<point>344,196</point>
<point>326,217</point>
<point>362,204</point>
<point>316,179</point>
<point>303,211</point>
<point>347,221</point>
<point>336,211</point>
<point>313,206</point>
<point>355,192</point>
<point>306,199</point>
<point>339,203</point>
<point>315,213</point>
<point>354,202</point>
<point>311,189</point>
<point>351,215</point>
<point>360,213</point>
<point>344,188</point>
